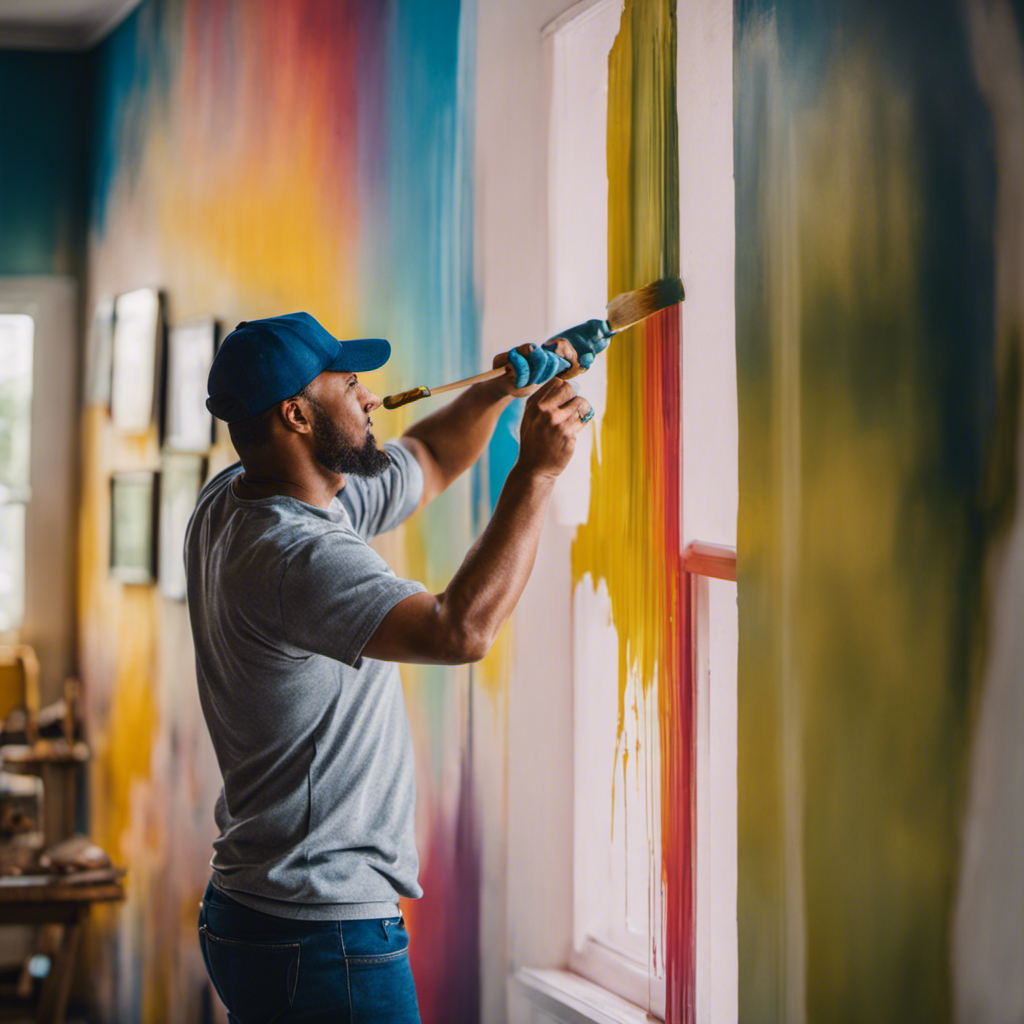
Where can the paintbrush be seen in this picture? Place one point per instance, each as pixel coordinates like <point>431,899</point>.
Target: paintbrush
<point>623,311</point>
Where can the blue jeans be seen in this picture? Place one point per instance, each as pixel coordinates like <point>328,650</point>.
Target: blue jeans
<point>273,970</point>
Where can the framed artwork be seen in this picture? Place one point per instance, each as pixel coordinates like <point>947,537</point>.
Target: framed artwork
<point>99,351</point>
<point>136,360</point>
<point>181,477</point>
<point>133,526</point>
<point>188,425</point>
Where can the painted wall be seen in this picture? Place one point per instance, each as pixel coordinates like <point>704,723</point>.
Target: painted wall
<point>880,306</point>
<point>206,183</point>
<point>250,158</point>
<point>44,132</point>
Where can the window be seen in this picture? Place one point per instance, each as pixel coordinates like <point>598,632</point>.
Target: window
<point>618,910</point>
<point>16,339</point>
<point>617,906</point>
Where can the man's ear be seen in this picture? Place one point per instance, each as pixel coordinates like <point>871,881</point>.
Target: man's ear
<point>293,416</point>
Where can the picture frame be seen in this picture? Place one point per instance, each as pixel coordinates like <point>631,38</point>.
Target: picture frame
<point>135,363</point>
<point>188,424</point>
<point>99,353</point>
<point>133,525</point>
<point>181,479</point>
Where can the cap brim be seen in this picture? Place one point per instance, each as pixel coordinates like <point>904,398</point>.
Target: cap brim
<point>361,355</point>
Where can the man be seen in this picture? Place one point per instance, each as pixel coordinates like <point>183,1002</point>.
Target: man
<point>298,625</point>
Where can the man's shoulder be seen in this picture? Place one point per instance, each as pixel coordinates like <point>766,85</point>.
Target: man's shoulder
<point>267,528</point>
<point>378,504</point>
<point>220,480</point>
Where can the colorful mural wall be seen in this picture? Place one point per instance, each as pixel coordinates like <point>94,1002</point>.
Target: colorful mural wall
<point>252,157</point>
<point>880,307</point>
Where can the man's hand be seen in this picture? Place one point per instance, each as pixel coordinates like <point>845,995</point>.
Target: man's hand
<point>566,355</point>
<point>586,340</point>
<point>532,366</point>
<point>551,420</point>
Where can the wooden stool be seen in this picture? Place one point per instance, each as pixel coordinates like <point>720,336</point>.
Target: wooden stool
<point>39,900</point>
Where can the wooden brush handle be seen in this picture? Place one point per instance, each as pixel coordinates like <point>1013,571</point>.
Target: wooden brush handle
<point>478,379</point>
<point>415,394</point>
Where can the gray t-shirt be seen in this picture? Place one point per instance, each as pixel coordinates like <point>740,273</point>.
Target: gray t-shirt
<point>317,811</point>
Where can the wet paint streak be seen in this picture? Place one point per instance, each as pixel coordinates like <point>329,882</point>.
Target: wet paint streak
<point>874,488</point>
<point>631,537</point>
<point>252,157</point>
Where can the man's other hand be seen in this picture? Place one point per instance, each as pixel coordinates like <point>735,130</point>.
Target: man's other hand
<point>551,420</point>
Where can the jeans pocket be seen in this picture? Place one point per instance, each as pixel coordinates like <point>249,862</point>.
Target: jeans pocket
<point>382,989</point>
<point>256,981</point>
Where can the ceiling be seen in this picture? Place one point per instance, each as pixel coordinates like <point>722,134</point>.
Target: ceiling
<point>59,24</point>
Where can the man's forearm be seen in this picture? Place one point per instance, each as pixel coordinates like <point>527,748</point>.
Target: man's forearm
<point>485,589</point>
<point>457,434</point>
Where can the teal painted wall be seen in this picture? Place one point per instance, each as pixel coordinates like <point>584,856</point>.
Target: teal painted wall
<point>44,128</point>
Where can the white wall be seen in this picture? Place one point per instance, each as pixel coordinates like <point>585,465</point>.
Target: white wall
<point>710,467</point>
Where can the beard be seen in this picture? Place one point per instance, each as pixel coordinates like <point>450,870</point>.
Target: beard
<point>338,454</point>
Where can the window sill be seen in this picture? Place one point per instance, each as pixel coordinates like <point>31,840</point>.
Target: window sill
<point>574,1000</point>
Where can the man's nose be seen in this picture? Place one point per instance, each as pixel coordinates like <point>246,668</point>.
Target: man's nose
<point>372,402</point>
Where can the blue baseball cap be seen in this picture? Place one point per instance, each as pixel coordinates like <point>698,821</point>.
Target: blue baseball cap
<point>263,362</point>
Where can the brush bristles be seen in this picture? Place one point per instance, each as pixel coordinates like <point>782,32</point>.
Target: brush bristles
<point>632,307</point>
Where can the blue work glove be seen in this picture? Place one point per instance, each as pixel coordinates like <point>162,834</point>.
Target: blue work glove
<point>537,366</point>
<point>588,339</point>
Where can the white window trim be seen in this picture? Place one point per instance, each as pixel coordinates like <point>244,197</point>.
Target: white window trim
<point>571,999</point>
<point>618,975</point>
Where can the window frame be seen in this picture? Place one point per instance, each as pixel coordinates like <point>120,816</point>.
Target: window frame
<point>704,69</point>
<point>595,956</point>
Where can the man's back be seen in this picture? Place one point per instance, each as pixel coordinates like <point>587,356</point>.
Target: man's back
<point>313,743</point>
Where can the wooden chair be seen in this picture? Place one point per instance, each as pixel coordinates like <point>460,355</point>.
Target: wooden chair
<point>19,686</point>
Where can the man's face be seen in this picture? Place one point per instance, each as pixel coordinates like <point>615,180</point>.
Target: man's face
<point>340,410</point>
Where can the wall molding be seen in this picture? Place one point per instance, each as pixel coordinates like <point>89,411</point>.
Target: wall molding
<point>79,34</point>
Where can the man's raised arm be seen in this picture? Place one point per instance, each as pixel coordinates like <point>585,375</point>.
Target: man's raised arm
<point>460,624</point>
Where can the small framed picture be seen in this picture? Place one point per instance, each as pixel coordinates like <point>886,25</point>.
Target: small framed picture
<point>133,524</point>
<point>136,360</point>
<point>181,478</point>
<point>99,351</point>
<point>188,424</point>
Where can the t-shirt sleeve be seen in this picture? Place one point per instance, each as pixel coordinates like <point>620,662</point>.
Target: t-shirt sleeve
<point>334,592</point>
<point>378,504</point>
